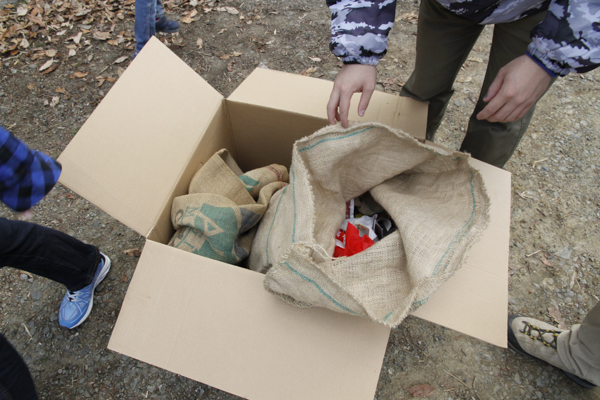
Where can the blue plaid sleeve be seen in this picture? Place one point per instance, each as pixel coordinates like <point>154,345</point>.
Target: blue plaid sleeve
<point>26,175</point>
<point>15,159</point>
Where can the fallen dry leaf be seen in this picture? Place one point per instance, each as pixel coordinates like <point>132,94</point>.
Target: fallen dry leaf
<point>55,100</point>
<point>63,91</point>
<point>24,43</point>
<point>572,282</point>
<point>78,75</point>
<point>46,65</point>
<point>50,53</point>
<point>475,59</point>
<point>315,59</point>
<point>545,261</point>
<point>308,72</point>
<point>232,10</point>
<point>121,59</point>
<point>189,18</point>
<point>193,3</point>
<point>101,35</point>
<point>421,390</point>
<point>22,10</point>
<point>133,252</point>
<point>52,68</point>
<point>37,55</point>
<point>199,43</point>
<point>225,57</point>
<point>557,316</point>
<point>36,20</point>
<point>117,41</point>
<point>30,86</point>
<point>72,53</point>
<point>76,38</point>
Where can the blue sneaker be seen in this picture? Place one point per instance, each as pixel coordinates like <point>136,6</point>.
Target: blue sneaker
<point>76,306</point>
<point>166,25</point>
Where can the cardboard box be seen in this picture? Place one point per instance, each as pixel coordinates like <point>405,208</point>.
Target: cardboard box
<point>214,322</point>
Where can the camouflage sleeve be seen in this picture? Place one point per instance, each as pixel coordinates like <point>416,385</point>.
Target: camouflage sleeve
<point>360,28</point>
<point>568,40</point>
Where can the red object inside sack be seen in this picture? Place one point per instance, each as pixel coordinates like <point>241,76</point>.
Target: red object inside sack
<point>354,243</point>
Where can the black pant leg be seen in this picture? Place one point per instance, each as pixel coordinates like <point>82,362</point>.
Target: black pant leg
<point>48,253</point>
<point>15,380</point>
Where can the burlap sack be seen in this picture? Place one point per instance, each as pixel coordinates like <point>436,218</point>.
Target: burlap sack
<point>218,218</point>
<point>437,200</point>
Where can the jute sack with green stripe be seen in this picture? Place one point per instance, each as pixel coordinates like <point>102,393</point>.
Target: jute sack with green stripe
<point>219,216</point>
<point>437,200</point>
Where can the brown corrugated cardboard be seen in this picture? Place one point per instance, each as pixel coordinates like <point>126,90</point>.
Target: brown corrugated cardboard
<point>474,301</point>
<point>301,103</point>
<point>213,322</point>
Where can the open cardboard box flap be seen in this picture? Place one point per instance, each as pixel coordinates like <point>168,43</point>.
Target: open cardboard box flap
<point>129,155</point>
<point>214,322</point>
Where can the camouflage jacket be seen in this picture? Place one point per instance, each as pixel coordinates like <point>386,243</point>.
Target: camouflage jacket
<point>568,40</point>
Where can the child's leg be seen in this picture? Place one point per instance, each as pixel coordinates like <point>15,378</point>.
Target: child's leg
<point>164,24</point>
<point>15,379</point>
<point>145,20</point>
<point>160,11</point>
<point>48,253</point>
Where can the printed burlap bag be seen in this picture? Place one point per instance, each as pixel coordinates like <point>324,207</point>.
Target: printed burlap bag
<point>218,218</point>
<point>437,200</point>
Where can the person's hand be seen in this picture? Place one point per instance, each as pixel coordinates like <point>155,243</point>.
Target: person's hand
<point>26,215</point>
<point>518,85</point>
<point>352,78</point>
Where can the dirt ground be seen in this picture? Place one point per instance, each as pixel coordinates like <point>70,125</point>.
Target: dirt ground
<point>554,248</point>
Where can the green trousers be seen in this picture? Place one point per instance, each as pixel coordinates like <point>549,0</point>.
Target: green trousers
<point>444,41</point>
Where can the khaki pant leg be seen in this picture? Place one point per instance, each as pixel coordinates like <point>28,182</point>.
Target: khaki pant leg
<point>579,349</point>
<point>495,142</point>
<point>444,41</point>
